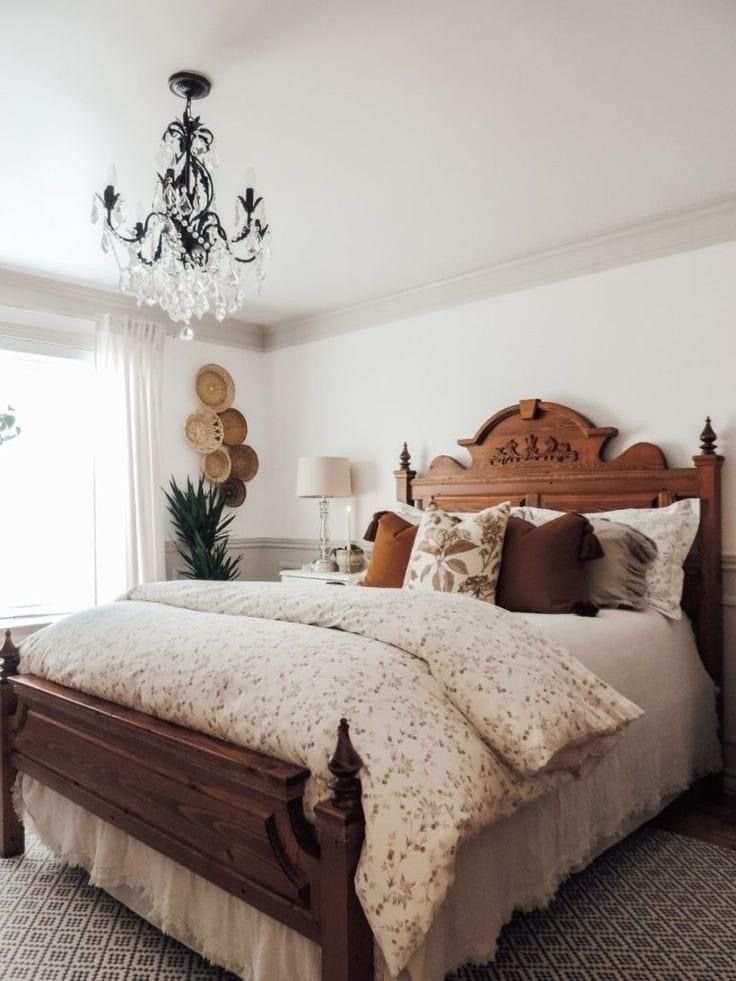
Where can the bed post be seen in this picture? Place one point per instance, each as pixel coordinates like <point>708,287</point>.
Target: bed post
<point>12,839</point>
<point>709,622</point>
<point>347,941</point>
<point>404,477</point>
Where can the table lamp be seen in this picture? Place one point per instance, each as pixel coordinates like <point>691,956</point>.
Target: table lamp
<point>323,477</point>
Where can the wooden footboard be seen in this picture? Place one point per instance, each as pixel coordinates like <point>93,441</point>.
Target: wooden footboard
<point>233,816</point>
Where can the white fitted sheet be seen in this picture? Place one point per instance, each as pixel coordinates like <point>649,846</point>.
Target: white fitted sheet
<point>515,864</point>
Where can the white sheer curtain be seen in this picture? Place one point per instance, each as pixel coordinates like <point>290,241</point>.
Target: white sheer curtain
<point>129,526</point>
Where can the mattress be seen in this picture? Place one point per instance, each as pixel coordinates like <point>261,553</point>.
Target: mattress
<point>516,863</point>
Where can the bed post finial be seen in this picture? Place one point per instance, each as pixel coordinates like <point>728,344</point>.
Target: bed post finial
<point>404,476</point>
<point>9,658</point>
<point>344,767</point>
<point>708,439</point>
<point>11,830</point>
<point>347,941</point>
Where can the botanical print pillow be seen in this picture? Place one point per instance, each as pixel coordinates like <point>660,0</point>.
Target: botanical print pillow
<point>458,555</point>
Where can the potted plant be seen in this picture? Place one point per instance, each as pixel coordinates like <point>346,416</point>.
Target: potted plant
<point>201,531</point>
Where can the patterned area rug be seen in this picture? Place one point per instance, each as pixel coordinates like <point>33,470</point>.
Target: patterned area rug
<point>658,906</point>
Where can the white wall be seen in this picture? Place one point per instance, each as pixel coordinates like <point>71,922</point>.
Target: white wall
<point>181,363</point>
<point>649,348</point>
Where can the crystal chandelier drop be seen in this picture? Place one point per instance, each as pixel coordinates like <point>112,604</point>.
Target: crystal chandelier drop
<point>179,256</point>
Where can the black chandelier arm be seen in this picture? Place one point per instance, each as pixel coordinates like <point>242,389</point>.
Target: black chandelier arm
<point>140,234</point>
<point>109,206</point>
<point>184,130</point>
<point>122,238</point>
<point>208,220</point>
<point>243,235</point>
<point>261,229</point>
<point>206,179</point>
<point>139,254</point>
<point>204,134</point>
<point>109,200</point>
<point>175,128</point>
<point>152,214</point>
<point>119,235</point>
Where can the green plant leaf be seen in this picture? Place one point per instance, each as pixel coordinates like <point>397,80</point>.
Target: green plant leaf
<point>202,536</point>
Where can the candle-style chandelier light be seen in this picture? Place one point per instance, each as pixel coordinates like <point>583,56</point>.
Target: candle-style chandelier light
<point>179,256</point>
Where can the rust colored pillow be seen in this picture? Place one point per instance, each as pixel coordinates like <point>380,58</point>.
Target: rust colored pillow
<point>543,567</point>
<point>394,540</point>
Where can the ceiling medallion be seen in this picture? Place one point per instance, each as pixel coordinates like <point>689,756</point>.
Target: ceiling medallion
<point>179,256</point>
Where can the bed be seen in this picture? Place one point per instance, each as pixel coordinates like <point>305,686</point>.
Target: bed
<point>80,756</point>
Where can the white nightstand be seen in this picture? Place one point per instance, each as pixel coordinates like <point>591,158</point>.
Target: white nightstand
<point>301,577</point>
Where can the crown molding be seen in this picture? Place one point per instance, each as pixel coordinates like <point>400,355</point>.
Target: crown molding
<point>61,298</point>
<point>46,333</point>
<point>666,234</point>
<point>38,340</point>
<point>684,230</point>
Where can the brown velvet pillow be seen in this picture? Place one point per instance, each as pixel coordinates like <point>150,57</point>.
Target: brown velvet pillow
<point>393,540</point>
<point>543,567</point>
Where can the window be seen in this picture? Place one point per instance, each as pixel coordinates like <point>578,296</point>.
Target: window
<point>47,541</point>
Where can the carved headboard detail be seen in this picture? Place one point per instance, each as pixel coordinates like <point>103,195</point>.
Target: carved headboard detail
<point>547,455</point>
<point>544,434</point>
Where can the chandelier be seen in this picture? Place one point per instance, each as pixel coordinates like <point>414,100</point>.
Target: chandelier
<point>179,256</point>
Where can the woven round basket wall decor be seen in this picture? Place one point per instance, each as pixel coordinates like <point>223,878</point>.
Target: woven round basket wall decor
<point>235,491</point>
<point>234,426</point>
<point>204,431</point>
<point>216,466</point>
<point>214,387</point>
<point>244,462</point>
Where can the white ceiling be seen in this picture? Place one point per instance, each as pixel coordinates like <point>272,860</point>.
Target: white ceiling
<point>397,143</point>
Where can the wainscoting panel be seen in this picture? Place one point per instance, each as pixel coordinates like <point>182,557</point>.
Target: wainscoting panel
<point>261,559</point>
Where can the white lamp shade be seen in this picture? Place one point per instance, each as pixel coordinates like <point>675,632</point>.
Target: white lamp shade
<point>323,476</point>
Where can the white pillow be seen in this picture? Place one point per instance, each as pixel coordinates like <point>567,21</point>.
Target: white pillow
<point>409,513</point>
<point>458,555</point>
<point>672,529</point>
<point>414,515</point>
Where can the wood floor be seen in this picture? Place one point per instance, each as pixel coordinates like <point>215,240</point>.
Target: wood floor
<point>708,817</point>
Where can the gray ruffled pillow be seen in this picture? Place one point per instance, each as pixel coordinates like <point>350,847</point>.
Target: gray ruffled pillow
<point>619,579</point>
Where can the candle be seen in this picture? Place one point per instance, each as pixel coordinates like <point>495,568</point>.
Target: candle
<point>347,513</point>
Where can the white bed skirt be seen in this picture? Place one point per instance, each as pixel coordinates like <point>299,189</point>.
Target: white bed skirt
<point>516,864</point>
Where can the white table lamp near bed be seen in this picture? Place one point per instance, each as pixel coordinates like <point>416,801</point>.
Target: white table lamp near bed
<point>323,477</point>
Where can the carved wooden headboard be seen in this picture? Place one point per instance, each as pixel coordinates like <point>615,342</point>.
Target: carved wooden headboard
<point>546,455</point>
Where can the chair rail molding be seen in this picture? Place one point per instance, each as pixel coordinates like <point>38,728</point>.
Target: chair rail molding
<point>729,580</point>
<point>311,545</point>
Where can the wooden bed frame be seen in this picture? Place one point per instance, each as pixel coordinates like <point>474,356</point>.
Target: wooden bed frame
<point>236,817</point>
